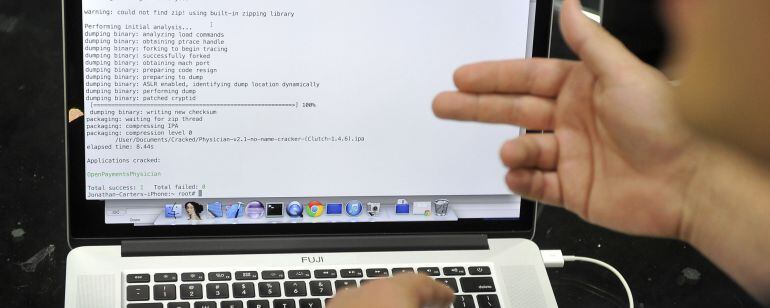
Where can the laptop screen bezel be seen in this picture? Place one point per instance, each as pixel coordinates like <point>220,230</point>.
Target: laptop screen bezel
<point>85,218</point>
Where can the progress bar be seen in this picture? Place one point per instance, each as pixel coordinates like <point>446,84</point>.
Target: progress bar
<point>193,105</point>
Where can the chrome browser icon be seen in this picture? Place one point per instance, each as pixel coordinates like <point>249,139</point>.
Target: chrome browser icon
<point>314,209</point>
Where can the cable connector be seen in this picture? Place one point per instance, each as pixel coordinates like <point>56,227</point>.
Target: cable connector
<point>555,259</point>
<point>552,258</point>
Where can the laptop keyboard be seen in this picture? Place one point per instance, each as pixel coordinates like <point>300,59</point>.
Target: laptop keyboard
<point>474,286</point>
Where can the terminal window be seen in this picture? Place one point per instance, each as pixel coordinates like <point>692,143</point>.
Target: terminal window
<point>242,98</point>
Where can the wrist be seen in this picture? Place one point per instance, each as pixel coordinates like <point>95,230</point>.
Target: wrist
<point>695,193</point>
<point>725,212</point>
<point>723,184</point>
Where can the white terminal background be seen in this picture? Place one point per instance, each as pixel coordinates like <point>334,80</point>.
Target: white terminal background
<point>379,64</point>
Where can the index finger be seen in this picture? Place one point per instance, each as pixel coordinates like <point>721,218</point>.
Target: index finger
<point>540,77</point>
<point>529,111</point>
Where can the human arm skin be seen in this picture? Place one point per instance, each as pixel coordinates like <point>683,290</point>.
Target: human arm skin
<point>728,217</point>
<point>619,155</point>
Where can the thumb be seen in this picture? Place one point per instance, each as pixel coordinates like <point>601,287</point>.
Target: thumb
<point>604,55</point>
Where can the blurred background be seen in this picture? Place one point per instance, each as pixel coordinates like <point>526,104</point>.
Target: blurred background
<point>33,247</point>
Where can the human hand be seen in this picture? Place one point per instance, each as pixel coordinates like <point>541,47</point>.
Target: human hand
<point>618,155</point>
<point>402,291</point>
<point>73,114</point>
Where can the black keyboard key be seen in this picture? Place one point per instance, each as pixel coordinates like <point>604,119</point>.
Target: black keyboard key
<point>402,270</point>
<point>454,271</point>
<point>231,304</point>
<point>145,305</point>
<point>325,273</point>
<point>243,290</point>
<point>178,305</point>
<point>246,275</point>
<point>165,277</point>
<point>377,272</point>
<point>464,301</point>
<point>138,293</point>
<point>339,285</point>
<point>283,303</point>
<point>299,274</point>
<point>479,270</point>
<point>272,275</point>
<point>220,276</point>
<point>310,303</point>
<point>477,284</point>
<point>191,291</point>
<point>269,289</point>
<point>449,282</point>
<point>258,304</point>
<point>137,278</point>
<point>321,288</point>
<point>205,305</point>
<point>488,301</point>
<point>164,292</point>
<point>217,290</point>
<point>430,271</point>
<point>198,276</point>
<point>351,273</point>
<point>295,288</point>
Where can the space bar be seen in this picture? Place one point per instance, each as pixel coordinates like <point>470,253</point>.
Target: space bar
<point>145,305</point>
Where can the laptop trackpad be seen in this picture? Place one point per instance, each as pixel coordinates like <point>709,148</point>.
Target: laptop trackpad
<point>96,291</point>
<point>521,282</point>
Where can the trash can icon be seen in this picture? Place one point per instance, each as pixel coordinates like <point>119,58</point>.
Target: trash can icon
<point>440,207</point>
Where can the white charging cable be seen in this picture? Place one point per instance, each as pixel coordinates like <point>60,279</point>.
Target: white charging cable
<point>555,259</point>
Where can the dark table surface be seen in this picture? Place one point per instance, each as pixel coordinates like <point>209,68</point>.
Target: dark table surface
<point>662,273</point>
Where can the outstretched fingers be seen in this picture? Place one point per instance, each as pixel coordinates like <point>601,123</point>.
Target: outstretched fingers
<point>539,151</point>
<point>536,184</point>
<point>539,77</point>
<point>533,160</point>
<point>523,110</point>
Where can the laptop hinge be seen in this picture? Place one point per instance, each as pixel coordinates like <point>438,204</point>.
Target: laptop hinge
<point>218,246</point>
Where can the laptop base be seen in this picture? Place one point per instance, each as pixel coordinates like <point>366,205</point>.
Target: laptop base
<point>98,276</point>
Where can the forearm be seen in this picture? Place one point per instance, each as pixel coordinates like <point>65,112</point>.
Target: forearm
<point>728,218</point>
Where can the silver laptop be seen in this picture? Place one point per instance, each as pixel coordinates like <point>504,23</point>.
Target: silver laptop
<point>242,153</point>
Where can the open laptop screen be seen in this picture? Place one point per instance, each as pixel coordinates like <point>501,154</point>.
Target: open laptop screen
<point>253,112</point>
